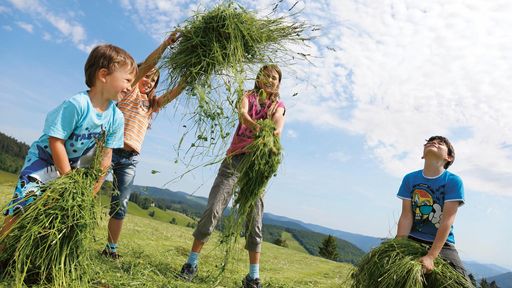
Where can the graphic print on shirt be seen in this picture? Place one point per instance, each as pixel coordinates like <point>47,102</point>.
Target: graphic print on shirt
<point>426,207</point>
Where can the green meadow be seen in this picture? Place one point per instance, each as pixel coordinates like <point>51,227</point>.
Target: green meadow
<point>153,251</point>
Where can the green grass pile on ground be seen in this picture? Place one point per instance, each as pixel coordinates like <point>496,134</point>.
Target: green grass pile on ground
<point>153,252</point>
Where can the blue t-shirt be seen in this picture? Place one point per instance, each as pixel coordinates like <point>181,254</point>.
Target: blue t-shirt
<point>428,196</point>
<point>79,123</point>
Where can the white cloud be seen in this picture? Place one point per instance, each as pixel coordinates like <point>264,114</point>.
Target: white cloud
<point>7,27</point>
<point>69,29</point>
<point>397,72</point>
<point>158,17</point>
<point>291,133</point>
<point>26,26</point>
<point>403,71</point>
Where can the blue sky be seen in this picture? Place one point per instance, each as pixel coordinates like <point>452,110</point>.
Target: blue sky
<point>387,75</point>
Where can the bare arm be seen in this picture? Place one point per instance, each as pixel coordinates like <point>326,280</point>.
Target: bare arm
<point>153,58</point>
<point>169,96</point>
<point>405,221</point>
<point>59,155</point>
<point>449,213</point>
<point>278,120</point>
<point>105,165</point>
<point>243,115</point>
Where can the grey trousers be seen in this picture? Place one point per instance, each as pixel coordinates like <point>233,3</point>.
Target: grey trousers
<point>220,194</point>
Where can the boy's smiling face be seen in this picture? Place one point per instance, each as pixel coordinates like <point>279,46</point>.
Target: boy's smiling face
<point>119,82</point>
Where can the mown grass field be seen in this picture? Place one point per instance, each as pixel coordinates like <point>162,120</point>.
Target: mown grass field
<point>154,250</point>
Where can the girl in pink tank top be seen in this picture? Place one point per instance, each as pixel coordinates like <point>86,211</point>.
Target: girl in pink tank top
<point>259,103</point>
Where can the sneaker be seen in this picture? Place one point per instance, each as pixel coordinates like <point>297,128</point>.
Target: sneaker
<point>248,282</point>
<point>110,254</point>
<point>188,272</point>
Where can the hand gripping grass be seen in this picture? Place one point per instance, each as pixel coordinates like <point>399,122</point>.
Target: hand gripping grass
<point>48,244</point>
<point>395,264</point>
<point>213,56</point>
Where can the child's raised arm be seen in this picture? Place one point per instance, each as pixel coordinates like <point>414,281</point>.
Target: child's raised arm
<point>169,96</point>
<point>153,58</point>
<point>59,155</point>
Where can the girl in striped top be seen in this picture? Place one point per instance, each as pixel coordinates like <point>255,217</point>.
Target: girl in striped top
<point>138,108</point>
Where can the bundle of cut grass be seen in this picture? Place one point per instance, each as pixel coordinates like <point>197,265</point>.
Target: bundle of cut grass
<point>48,244</point>
<point>395,264</point>
<point>256,168</point>
<point>215,50</point>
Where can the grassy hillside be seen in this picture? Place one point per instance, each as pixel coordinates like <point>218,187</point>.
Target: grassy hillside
<point>274,226</point>
<point>309,241</point>
<point>153,252</point>
<point>7,183</point>
<point>312,240</point>
<point>160,215</point>
<point>292,243</point>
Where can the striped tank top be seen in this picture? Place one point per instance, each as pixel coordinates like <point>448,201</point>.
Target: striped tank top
<point>137,117</point>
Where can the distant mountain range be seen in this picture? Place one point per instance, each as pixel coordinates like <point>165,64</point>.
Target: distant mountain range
<point>503,280</point>
<point>487,271</point>
<point>273,225</point>
<point>365,243</point>
<point>196,204</point>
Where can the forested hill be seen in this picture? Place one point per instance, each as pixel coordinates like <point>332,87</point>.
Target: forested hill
<point>12,153</point>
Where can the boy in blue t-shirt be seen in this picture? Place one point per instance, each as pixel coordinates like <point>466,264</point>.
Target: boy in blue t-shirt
<point>70,130</point>
<point>431,197</point>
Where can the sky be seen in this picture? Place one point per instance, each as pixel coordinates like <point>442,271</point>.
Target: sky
<point>383,77</point>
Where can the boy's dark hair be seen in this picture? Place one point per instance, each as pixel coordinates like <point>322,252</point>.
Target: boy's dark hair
<point>451,151</point>
<point>106,56</point>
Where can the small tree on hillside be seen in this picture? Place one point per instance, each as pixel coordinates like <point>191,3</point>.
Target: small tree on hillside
<point>174,221</point>
<point>472,279</point>
<point>281,242</point>
<point>329,249</point>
